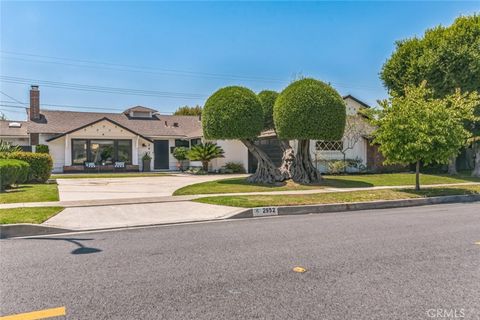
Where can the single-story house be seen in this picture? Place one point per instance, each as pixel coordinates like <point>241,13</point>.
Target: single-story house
<point>75,137</point>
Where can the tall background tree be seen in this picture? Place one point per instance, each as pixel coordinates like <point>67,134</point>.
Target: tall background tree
<point>446,57</point>
<point>188,111</point>
<point>417,128</point>
<point>308,109</point>
<point>236,113</point>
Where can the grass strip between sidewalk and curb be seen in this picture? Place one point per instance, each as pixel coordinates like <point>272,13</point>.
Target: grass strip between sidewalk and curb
<point>35,192</point>
<point>252,201</point>
<point>35,215</point>
<point>238,185</point>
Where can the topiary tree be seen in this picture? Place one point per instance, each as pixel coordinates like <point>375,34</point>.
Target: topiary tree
<point>236,113</point>
<point>267,99</point>
<point>308,109</point>
<point>181,154</point>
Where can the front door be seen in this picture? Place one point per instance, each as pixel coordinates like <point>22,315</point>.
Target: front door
<point>161,154</point>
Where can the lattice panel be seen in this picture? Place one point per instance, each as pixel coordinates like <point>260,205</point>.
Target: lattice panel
<point>329,145</point>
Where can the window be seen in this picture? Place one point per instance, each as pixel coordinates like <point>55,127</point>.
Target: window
<point>101,151</point>
<point>194,142</point>
<point>124,151</point>
<point>79,151</point>
<point>329,145</point>
<point>182,143</point>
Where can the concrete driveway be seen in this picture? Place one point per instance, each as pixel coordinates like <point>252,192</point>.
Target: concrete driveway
<point>122,188</point>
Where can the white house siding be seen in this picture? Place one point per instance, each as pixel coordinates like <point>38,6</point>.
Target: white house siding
<point>56,149</point>
<point>144,146</point>
<point>235,151</point>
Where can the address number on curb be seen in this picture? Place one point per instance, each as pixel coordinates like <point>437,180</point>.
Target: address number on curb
<point>265,211</point>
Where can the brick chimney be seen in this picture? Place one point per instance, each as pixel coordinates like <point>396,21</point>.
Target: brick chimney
<point>34,103</point>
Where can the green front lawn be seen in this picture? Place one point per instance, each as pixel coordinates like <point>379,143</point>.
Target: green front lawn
<point>108,175</point>
<point>28,215</point>
<point>236,185</point>
<point>30,193</point>
<point>336,197</point>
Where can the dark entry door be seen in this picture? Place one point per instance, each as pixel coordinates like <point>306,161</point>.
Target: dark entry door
<point>161,154</point>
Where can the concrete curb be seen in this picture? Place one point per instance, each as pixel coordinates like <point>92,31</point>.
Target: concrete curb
<point>27,229</point>
<point>354,206</point>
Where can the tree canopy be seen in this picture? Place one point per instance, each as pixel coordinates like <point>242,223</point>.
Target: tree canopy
<point>188,111</point>
<point>417,127</point>
<point>267,100</point>
<point>309,109</point>
<point>232,113</point>
<point>446,57</point>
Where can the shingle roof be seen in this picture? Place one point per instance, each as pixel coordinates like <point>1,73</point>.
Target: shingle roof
<point>160,125</point>
<point>7,131</point>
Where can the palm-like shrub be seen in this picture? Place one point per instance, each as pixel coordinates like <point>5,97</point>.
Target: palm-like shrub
<point>8,147</point>
<point>205,153</point>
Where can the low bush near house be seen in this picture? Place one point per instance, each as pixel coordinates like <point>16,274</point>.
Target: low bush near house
<point>40,164</point>
<point>337,167</point>
<point>42,148</point>
<point>8,147</point>
<point>13,172</point>
<point>234,167</point>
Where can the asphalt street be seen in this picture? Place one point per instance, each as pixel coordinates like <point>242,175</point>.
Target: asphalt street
<point>382,264</point>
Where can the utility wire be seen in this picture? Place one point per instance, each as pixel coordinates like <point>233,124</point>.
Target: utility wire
<point>114,90</point>
<point>153,70</point>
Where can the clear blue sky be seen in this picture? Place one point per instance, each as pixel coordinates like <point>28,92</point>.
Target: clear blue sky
<point>188,50</point>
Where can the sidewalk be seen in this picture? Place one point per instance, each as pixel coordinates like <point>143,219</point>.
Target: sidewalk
<point>165,199</point>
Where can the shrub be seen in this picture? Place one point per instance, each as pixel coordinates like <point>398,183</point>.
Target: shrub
<point>40,164</point>
<point>8,147</point>
<point>180,153</point>
<point>267,100</point>
<point>235,167</point>
<point>42,148</point>
<point>205,153</point>
<point>337,167</point>
<point>13,172</point>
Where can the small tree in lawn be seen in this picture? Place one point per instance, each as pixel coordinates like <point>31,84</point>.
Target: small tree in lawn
<point>205,153</point>
<point>236,113</point>
<point>417,128</point>
<point>308,109</point>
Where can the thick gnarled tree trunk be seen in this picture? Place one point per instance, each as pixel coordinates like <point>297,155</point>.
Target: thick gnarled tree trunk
<point>452,165</point>
<point>304,171</point>
<point>288,160</point>
<point>266,171</point>
<point>476,168</point>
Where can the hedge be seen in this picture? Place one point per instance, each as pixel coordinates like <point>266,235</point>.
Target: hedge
<point>42,148</point>
<point>232,113</point>
<point>40,164</point>
<point>13,172</point>
<point>309,109</point>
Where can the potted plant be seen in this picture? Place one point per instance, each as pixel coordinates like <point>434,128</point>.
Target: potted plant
<point>146,161</point>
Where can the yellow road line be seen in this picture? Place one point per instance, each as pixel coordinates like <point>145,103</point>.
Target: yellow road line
<point>41,314</point>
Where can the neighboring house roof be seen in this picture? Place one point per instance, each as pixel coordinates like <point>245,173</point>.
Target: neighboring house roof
<point>349,96</point>
<point>159,125</point>
<point>13,131</point>
<point>96,121</point>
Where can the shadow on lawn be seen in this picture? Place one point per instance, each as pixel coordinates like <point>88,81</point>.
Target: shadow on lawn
<point>326,182</point>
<point>20,188</point>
